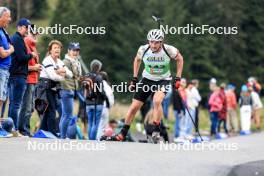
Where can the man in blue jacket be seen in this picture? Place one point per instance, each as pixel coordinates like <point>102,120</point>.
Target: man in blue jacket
<point>19,69</point>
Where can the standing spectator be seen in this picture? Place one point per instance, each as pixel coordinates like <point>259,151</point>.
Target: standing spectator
<point>6,49</point>
<point>34,68</point>
<point>179,110</point>
<point>192,102</point>
<point>95,98</point>
<point>212,86</point>
<point>53,72</point>
<point>245,103</point>
<point>252,81</point>
<point>232,121</point>
<point>223,111</point>
<point>108,103</point>
<point>18,70</point>
<point>69,87</point>
<point>215,103</point>
<point>257,106</point>
<point>195,83</point>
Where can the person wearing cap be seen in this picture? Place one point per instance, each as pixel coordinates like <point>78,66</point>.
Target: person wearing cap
<point>6,49</point>
<point>34,69</point>
<point>245,103</point>
<point>69,87</point>
<point>18,70</point>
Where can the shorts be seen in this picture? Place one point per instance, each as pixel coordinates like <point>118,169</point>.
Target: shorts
<point>4,76</point>
<point>147,87</point>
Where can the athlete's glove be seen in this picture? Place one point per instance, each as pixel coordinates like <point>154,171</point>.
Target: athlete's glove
<point>177,83</point>
<point>133,83</point>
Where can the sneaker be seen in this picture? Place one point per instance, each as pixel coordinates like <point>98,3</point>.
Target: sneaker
<point>4,134</point>
<point>179,140</point>
<point>17,134</point>
<point>189,137</point>
<point>117,137</point>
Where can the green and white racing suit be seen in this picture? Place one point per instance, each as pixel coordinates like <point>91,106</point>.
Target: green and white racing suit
<point>156,69</point>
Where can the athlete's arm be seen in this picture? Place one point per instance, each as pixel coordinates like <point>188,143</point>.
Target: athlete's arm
<point>179,64</point>
<point>137,62</point>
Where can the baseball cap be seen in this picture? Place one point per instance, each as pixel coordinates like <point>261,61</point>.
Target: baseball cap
<point>74,46</point>
<point>24,22</point>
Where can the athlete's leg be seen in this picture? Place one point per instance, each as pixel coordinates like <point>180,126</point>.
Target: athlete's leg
<point>133,109</point>
<point>157,106</point>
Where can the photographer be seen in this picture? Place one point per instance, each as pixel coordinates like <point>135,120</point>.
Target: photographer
<point>95,98</point>
<point>53,72</point>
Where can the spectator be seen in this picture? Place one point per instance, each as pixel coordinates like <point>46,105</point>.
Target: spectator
<point>192,102</point>
<point>53,72</point>
<point>212,85</point>
<point>108,103</point>
<point>223,111</point>
<point>215,103</point>
<point>232,121</point>
<point>34,68</point>
<point>6,49</point>
<point>252,81</point>
<point>257,106</point>
<point>179,110</point>
<point>18,70</point>
<point>109,130</point>
<point>95,98</point>
<point>69,87</point>
<point>245,103</point>
<point>195,82</point>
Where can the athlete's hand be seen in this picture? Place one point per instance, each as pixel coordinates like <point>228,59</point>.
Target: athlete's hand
<point>133,82</point>
<point>177,83</point>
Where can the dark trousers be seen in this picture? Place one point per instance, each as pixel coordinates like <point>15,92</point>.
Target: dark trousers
<point>16,89</point>
<point>48,122</point>
<point>219,125</point>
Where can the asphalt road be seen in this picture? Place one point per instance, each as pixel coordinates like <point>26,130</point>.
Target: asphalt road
<point>44,157</point>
